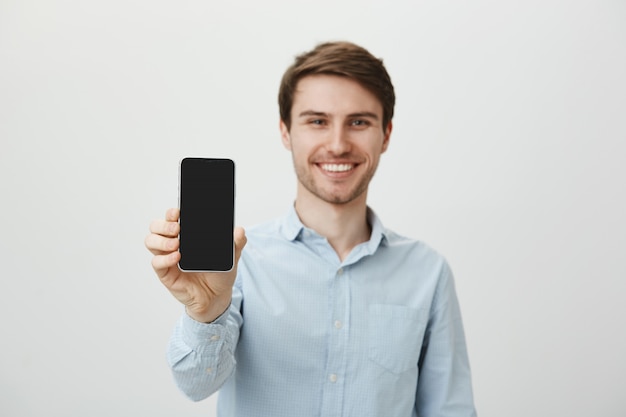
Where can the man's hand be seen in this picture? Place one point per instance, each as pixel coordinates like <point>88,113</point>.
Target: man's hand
<point>206,295</point>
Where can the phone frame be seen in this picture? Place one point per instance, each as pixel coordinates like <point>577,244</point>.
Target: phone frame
<point>187,268</point>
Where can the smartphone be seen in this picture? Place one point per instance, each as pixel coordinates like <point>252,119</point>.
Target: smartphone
<point>207,214</point>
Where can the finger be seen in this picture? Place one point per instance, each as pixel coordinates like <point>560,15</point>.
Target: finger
<point>172,214</point>
<point>162,263</point>
<point>160,245</point>
<point>165,228</point>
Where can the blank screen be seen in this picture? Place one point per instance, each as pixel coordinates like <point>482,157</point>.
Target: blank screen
<point>207,205</point>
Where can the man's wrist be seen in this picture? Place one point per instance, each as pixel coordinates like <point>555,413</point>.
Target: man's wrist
<point>211,317</point>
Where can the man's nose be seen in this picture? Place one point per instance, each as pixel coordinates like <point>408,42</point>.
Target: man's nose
<point>339,141</point>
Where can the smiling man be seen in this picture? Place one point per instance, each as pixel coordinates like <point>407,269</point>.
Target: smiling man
<point>336,136</point>
<point>327,312</point>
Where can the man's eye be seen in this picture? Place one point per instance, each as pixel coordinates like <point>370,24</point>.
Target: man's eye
<point>317,122</point>
<point>359,123</point>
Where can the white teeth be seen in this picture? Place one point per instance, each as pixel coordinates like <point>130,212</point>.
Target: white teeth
<point>337,167</point>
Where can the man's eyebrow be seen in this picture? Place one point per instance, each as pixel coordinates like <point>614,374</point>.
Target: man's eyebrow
<point>365,114</point>
<point>312,113</point>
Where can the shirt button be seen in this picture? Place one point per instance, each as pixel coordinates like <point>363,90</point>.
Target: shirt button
<point>338,324</point>
<point>215,337</point>
<point>340,271</point>
<point>332,377</point>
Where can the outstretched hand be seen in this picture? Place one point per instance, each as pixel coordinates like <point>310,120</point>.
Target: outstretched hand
<point>206,295</point>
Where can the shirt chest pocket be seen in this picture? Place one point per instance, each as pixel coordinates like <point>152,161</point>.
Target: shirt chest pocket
<point>396,335</point>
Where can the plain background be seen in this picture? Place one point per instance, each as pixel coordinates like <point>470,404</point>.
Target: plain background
<point>508,155</point>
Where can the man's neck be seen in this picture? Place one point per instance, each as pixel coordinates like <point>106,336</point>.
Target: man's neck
<point>343,225</point>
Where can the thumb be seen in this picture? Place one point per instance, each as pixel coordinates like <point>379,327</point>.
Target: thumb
<point>240,238</point>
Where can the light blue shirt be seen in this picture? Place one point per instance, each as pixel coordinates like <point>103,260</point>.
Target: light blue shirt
<point>379,334</point>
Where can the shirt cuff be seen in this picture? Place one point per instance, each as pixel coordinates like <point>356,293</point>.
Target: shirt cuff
<point>203,336</point>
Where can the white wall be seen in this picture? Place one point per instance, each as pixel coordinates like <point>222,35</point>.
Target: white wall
<point>508,156</point>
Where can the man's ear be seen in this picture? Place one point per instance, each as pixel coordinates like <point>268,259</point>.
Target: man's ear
<point>284,135</point>
<point>387,137</point>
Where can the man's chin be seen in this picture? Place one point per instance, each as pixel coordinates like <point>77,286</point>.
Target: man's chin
<point>340,199</point>
<point>335,195</point>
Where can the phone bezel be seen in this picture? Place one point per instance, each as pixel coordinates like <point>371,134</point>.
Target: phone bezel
<point>180,187</point>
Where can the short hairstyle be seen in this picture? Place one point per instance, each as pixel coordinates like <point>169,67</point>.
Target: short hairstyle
<point>344,59</point>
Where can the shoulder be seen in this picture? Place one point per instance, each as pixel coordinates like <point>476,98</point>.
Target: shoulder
<point>418,250</point>
<point>401,247</point>
<point>285,228</point>
<point>267,240</point>
<point>270,229</point>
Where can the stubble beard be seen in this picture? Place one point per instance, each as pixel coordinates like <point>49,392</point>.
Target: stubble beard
<point>306,179</point>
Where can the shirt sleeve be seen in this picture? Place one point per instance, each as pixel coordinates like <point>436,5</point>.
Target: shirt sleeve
<point>202,355</point>
<point>444,388</point>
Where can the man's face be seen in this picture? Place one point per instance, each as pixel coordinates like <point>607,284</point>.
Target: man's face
<point>336,137</point>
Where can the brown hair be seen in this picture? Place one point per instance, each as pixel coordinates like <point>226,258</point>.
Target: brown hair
<point>344,59</point>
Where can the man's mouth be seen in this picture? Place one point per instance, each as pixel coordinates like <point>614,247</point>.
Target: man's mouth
<point>337,167</point>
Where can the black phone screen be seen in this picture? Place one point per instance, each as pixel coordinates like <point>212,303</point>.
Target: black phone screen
<point>207,208</point>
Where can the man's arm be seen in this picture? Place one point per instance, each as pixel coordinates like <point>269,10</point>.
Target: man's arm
<point>202,346</point>
<point>445,387</point>
<point>201,355</point>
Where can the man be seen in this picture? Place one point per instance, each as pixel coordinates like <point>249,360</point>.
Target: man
<point>327,313</point>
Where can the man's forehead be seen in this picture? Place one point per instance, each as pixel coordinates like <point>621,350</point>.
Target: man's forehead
<point>323,93</point>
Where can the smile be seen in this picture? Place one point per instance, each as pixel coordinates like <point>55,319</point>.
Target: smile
<point>337,167</point>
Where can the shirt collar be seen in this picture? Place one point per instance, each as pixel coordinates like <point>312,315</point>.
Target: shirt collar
<point>292,227</point>
<point>379,233</point>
